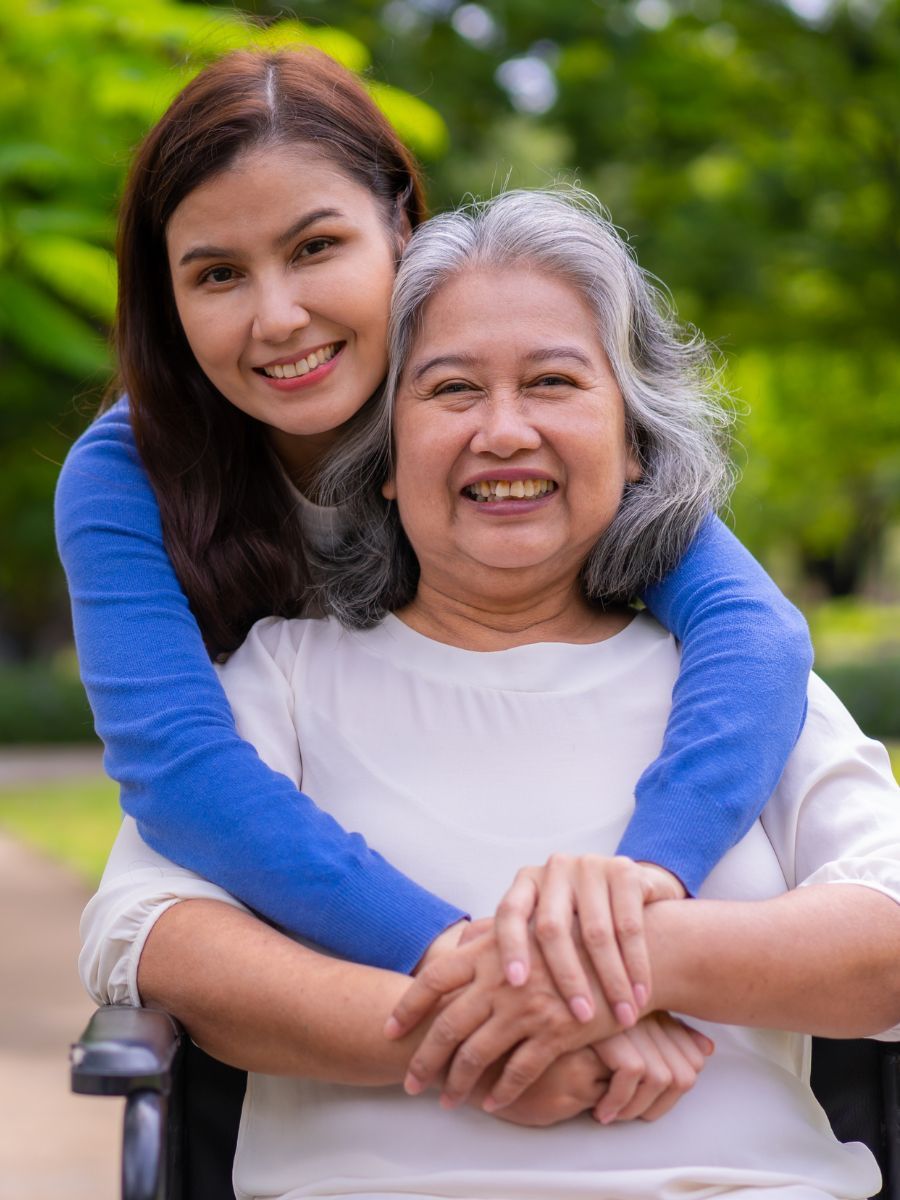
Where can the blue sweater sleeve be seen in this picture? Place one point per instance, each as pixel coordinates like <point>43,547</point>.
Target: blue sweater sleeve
<point>200,794</point>
<point>737,708</point>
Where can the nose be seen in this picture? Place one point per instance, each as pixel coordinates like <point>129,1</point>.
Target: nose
<point>278,310</point>
<point>504,427</point>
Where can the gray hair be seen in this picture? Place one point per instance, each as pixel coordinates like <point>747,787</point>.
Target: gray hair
<point>674,414</point>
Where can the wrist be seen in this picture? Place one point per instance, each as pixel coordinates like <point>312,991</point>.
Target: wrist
<point>666,884</point>
<point>442,944</point>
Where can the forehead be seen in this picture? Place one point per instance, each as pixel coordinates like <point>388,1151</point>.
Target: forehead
<point>489,310</point>
<point>263,189</point>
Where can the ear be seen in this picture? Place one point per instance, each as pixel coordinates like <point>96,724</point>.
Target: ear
<point>633,469</point>
<point>389,489</point>
<point>402,229</point>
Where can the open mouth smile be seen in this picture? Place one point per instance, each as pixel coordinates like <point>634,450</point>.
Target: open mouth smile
<point>302,366</point>
<point>489,491</point>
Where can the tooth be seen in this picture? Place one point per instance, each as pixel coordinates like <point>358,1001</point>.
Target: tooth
<point>517,489</point>
<point>502,488</point>
<point>302,367</point>
<point>485,488</point>
<point>278,372</point>
<point>289,370</point>
<point>529,487</point>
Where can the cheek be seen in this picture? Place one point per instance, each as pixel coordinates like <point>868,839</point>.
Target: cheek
<point>206,335</point>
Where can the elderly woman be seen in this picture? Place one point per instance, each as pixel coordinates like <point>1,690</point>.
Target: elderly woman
<point>545,445</point>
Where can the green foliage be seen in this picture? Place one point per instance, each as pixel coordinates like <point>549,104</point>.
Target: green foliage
<point>753,157</point>
<point>871,691</point>
<point>858,655</point>
<point>43,702</point>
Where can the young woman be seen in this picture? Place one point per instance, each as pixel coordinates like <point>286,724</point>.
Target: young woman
<point>260,230</point>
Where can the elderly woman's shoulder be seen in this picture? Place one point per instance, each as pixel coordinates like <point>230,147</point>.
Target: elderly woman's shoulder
<point>280,642</point>
<point>831,740</point>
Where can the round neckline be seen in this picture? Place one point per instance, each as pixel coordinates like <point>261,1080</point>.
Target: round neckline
<point>533,667</point>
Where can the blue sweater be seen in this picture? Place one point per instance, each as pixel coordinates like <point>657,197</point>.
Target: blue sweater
<point>202,797</point>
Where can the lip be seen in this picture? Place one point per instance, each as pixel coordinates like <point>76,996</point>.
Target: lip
<point>511,508</point>
<point>292,358</point>
<point>310,379</point>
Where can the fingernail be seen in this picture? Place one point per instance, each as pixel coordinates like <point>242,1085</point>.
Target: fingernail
<point>413,1086</point>
<point>515,972</point>
<point>490,1105</point>
<point>582,1009</point>
<point>448,1102</point>
<point>625,1014</point>
<point>640,995</point>
<point>392,1027</point>
<point>608,1118</point>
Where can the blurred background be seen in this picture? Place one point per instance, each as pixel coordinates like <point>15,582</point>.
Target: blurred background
<point>750,148</point>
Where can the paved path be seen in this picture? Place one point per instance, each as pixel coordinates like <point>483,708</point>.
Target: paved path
<point>53,1146</point>
<point>34,764</point>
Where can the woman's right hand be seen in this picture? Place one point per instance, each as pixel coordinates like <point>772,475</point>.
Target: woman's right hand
<point>604,898</point>
<point>636,1075</point>
<point>651,1067</point>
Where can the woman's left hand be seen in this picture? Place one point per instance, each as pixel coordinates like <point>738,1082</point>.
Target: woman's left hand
<point>573,1085</point>
<point>487,1019</point>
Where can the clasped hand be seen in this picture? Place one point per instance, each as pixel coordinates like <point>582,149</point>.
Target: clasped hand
<point>553,988</point>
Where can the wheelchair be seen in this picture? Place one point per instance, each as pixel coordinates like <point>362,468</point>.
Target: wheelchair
<point>182,1108</point>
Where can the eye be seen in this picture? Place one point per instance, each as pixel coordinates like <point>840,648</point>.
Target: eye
<point>454,387</point>
<point>551,381</point>
<point>218,275</point>
<point>315,246</point>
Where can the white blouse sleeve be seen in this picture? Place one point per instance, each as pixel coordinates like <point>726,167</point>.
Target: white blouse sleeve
<point>835,816</point>
<point>137,887</point>
<point>138,884</point>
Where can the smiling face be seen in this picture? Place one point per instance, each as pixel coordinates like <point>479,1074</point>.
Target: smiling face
<point>511,449</point>
<point>282,268</point>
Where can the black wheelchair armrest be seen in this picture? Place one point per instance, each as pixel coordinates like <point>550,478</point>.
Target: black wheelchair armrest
<point>137,1053</point>
<point>124,1050</point>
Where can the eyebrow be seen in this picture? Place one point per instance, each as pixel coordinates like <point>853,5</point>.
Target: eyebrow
<point>302,223</point>
<point>533,356</point>
<point>444,360</point>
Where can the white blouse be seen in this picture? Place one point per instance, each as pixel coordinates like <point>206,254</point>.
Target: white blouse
<point>461,767</point>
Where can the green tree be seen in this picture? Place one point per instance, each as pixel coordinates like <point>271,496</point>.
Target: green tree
<point>754,158</point>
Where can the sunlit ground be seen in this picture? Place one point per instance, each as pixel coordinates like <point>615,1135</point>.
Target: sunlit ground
<point>76,822</point>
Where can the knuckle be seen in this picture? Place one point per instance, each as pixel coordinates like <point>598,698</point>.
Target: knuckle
<point>549,928</point>
<point>443,1033</point>
<point>629,926</point>
<point>683,1081</point>
<point>596,935</point>
<point>663,1078</point>
<point>518,1075</point>
<point>621,867</point>
<point>558,861</point>
<point>509,906</point>
<point>468,1059</point>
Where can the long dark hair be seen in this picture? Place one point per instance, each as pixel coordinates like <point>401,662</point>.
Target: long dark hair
<point>228,516</point>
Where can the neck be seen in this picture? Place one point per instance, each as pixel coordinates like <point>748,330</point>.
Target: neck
<point>556,613</point>
<point>302,455</point>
